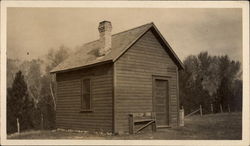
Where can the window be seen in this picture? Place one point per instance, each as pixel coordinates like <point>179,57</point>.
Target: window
<point>86,95</point>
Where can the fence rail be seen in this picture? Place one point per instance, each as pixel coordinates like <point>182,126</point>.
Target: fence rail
<point>198,110</point>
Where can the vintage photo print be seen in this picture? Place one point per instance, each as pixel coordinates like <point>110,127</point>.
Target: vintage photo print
<point>124,73</point>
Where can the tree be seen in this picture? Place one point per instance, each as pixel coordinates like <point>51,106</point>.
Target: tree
<point>237,95</point>
<point>209,80</point>
<point>12,69</point>
<point>228,74</point>
<point>191,90</point>
<point>33,79</point>
<point>54,58</point>
<point>39,89</point>
<point>11,119</point>
<point>19,105</point>
<point>47,104</point>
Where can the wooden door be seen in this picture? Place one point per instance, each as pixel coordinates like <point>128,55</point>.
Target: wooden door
<point>161,102</point>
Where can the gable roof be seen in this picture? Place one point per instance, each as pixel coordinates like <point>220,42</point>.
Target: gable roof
<point>87,55</point>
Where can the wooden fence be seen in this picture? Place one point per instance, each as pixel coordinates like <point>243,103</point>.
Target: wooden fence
<point>199,110</point>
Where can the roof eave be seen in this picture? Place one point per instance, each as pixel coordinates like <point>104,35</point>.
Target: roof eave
<point>82,67</point>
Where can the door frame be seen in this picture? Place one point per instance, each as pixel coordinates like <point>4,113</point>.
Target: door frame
<point>165,78</point>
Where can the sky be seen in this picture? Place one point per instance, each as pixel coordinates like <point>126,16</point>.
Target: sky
<point>188,30</point>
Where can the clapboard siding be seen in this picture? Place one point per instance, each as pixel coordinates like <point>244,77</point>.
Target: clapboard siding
<point>68,113</point>
<point>133,79</point>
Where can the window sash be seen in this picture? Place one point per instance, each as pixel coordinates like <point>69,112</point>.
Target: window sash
<point>86,94</point>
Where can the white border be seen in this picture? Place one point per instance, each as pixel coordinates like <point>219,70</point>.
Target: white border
<point>130,4</point>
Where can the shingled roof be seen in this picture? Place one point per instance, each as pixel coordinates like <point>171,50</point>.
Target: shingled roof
<point>87,55</point>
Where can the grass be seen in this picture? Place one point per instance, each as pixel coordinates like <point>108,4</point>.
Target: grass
<point>225,126</point>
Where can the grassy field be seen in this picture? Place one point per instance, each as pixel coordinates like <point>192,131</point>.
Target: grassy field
<point>226,126</point>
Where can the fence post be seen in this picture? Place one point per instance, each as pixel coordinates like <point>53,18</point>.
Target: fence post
<point>181,114</point>
<point>131,124</point>
<point>228,108</point>
<point>212,108</point>
<point>18,125</point>
<point>221,110</point>
<point>154,124</point>
<point>200,110</point>
<point>41,121</point>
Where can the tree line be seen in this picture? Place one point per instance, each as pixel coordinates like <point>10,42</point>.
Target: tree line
<point>212,82</point>
<point>31,91</point>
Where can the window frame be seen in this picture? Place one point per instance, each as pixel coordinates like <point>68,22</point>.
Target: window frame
<point>90,95</point>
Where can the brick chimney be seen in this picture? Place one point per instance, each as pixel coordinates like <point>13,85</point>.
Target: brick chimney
<point>105,28</point>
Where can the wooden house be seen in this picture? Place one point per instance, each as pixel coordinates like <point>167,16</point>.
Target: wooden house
<point>134,71</point>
